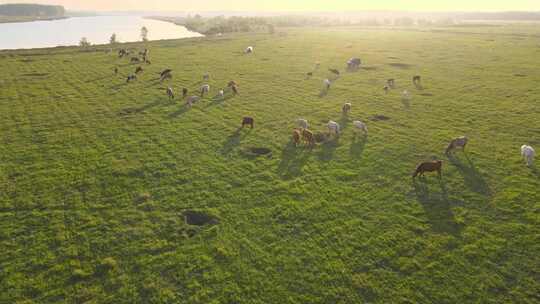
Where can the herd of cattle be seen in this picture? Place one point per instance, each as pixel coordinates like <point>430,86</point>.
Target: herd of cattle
<point>302,134</point>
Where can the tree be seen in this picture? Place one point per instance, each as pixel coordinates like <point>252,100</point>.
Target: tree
<point>113,39</point>
<point>84,42</point>
<point>144,33</point>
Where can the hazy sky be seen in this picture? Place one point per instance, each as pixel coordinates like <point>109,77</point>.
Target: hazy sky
<point>293,5</point>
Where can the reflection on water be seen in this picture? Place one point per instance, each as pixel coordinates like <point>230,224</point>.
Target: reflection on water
<point>97,30</point>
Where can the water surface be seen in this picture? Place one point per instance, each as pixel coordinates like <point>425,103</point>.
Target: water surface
<point>98,30</point>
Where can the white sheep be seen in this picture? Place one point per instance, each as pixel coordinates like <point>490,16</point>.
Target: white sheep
<point>527,152</point>
<point>249,50</point>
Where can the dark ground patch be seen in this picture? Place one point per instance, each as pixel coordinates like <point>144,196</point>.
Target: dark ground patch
<point>379,118</point>
<point>400,65</point>
<point>199,218</point>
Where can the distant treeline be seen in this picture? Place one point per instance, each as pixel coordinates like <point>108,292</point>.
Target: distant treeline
<point>31,10</point>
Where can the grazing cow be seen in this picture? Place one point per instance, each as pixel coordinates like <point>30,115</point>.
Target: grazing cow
<point>431,166</point>
<point>165,72</point>
<point>235,89</point>
<point>221,93</point>
<point>308,137</point>
<point>184,92</point>
<point>459,142</point>
<point>302,123</point>
<point>116,71</point>
<point>249,50</point>
<point>416,80</point>
<point>131,78</point>
<point>165,77</point>
<point>205,89</point>
<point>346,108</point>
<point>333,127</point>
<point>327,84</point>
<point>138,70</point>
<point>334,71</point>
<point>248,121</point>
<point>391,83</point>
<point>231,84</point>
<point>135,60</point>
<point>360,126</point>
<point>122,53</point>
<point>353,64</point>
<point>386,89</point>
<point>296,137</point>
<point>191,100</point>
<point>170,93</point>
<point>206,77</point>
<point>528,153</point>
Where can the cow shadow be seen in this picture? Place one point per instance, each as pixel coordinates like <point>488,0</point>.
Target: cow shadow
<point>344,121</point>
<point>217,100</point>
<point>328,149</point>
<point>471,176</point>
<point>437,207</point>
<point>293,160</point>
<point>357,146</point>
<point>233,141</point>
<point>179,112</point>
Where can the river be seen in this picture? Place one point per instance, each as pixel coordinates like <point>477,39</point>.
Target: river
<point>97,30</point>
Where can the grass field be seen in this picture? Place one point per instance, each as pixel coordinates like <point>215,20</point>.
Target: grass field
<point>96,175</point>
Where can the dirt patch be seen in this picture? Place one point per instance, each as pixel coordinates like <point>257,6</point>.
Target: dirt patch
<point>199,218</point>
<point>379,118</point>
<point>400,65</point>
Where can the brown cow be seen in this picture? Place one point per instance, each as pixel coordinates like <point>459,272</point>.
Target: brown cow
<point>235,89</point>
<point>346,108</point>
<point>296,137</point>
<point>308,137</point>
<point>431,166</point>
<point>232,83</point>
<point>248,121</point>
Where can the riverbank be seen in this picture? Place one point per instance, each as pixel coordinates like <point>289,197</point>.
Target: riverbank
<point>19,19</point>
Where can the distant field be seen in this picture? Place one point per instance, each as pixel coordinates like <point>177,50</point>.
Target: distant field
<point>96,175</point>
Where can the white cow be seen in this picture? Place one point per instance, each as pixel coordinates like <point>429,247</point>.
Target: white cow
<point>333,127</point>
<point>360,126</point>
<point>302,123</point>
<point>327,83</point>
<point>528,154</point>
<point>170,93</point>
<point>249,50</point>
<point>205,89</point>
<point>221,93</point>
